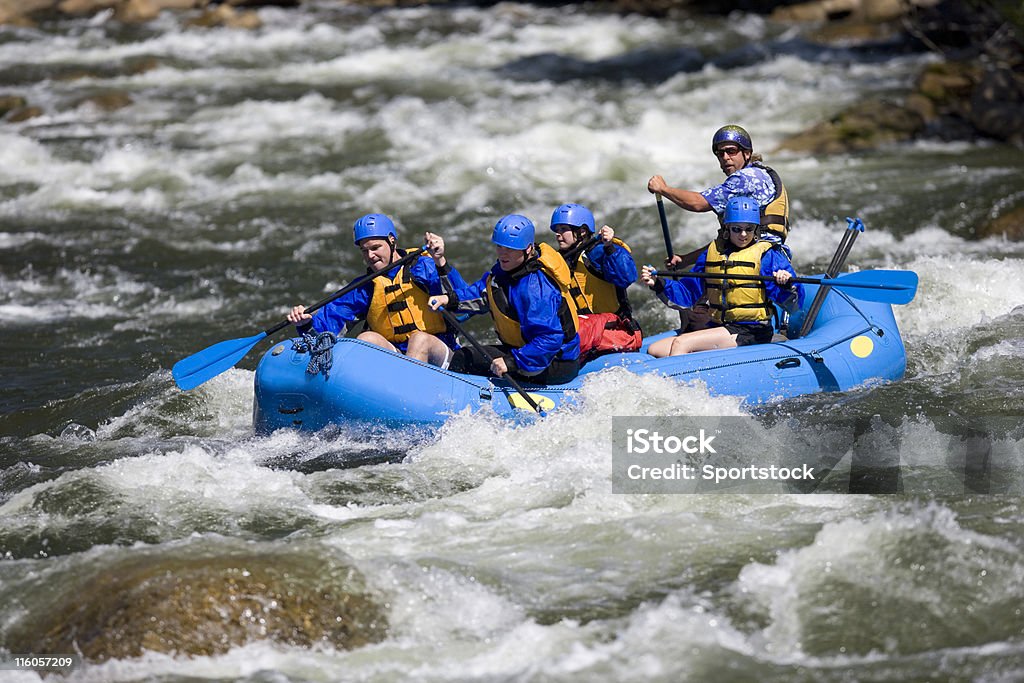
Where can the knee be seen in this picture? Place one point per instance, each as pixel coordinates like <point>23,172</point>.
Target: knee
<point>680,346</point>
<point>375,338</point>
<point>418,339</point>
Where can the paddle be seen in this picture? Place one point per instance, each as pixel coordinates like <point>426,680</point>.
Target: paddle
<point>854,226</point>
<point>686,259</point>
<point>664,226</point>
<point>577,249</point>
<point>454,322</point>
<point>200,367</point>
<point>885,286</point>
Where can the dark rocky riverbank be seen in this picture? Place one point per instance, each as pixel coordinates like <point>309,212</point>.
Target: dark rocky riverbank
<point>196,12</point>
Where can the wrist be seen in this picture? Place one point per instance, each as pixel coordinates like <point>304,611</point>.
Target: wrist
<point>510,362</point>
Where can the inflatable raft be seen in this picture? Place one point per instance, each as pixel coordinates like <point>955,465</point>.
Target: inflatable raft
<point>852,342</point>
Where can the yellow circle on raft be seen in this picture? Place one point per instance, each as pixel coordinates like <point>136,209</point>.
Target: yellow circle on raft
<point>862,346</point>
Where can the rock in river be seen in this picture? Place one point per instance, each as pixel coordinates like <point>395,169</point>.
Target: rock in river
<point>201,599</point>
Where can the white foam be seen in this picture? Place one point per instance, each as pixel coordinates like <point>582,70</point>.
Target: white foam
<point>879,556</point>
<point>21,313</point>
<point>41,297</point>
<point>9,240</point>
<point>957,292</point>
<point>1006,349</point>
<point>462,537</point>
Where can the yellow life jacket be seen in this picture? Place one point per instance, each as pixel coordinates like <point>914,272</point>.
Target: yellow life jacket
<point>594,294</point>
<point>775,216</point>
<point>737,300</point>
<point>506,322</point>
<point>399,307</point>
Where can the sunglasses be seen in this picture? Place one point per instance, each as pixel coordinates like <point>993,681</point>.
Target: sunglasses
<point>727,151</point>
<point>739,229</point>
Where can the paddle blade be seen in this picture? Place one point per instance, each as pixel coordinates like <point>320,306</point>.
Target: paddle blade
<point>190,372</point>
<point>520,402</point>
<point>885,286</point>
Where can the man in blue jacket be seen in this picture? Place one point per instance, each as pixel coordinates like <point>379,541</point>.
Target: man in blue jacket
<point>394,304</point>
<point>527,294</point>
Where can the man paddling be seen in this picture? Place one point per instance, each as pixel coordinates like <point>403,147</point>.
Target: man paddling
<point>394,306</point>
<point>746,175</point>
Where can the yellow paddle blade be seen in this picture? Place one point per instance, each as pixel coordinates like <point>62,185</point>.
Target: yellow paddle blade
<point>518,401</point>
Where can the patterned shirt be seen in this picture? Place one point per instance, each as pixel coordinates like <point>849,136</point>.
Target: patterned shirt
<point>749,181</point>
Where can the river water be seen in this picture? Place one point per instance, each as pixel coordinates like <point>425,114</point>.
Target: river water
<point>225,193</point>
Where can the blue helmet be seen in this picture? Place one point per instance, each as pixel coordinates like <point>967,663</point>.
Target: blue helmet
<point>576,215</point>
<point>741,210</point>
<point>373,225</point>
<point>513,232</point>
<point>732,133</point>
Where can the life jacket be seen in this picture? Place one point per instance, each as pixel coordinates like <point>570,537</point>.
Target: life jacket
<point>506,320</point>
<point>398,307</point>
<point>592,293</point>
<point>775,216</point>
<point>737,300</point>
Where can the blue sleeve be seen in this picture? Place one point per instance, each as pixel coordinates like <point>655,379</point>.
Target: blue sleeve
<point>537,300</point>
<point>789,298</point>
<point>683,292</point>
<point>470,299</point>
<point>336,316</point>
<point>424,273</point>
<point>615,264</point>
<point>451,279</point>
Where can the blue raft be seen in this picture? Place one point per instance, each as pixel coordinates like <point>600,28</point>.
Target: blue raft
<point>852,342</point>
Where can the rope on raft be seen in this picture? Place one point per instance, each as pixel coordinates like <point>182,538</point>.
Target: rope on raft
<point>319,348</point>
